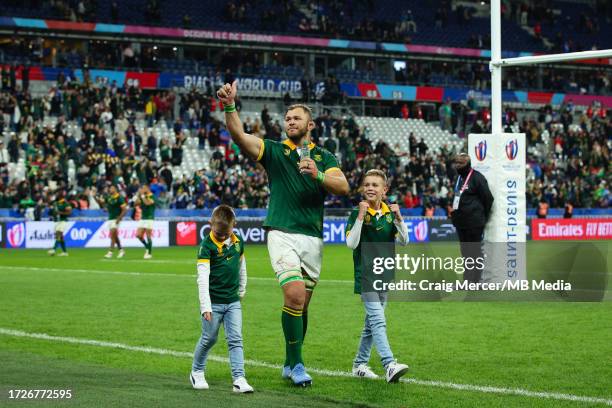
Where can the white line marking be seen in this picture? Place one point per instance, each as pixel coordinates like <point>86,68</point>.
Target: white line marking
<point>328,373</point>
<point>168,261</point>
<point>103,272</point>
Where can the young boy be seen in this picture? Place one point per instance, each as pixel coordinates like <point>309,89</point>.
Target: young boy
<point>221,284</point>
<point>374,221</point>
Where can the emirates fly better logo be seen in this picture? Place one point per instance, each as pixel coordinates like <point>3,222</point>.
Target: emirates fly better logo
<point>481,150</point>
<point>512,149</point>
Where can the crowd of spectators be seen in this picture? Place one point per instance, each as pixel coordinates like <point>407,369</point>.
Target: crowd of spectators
<point>568,152</point>
<point>569,160</point>
<point>464,74</point>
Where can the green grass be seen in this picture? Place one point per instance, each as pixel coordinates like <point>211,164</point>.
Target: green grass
<point>554,347</point>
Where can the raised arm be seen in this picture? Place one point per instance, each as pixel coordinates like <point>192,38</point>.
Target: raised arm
<point>250,144</point>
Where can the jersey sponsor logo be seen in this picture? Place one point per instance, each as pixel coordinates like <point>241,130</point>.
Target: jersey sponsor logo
<point>15,235</point>
<point>481,150</point>
<point>512,149</point>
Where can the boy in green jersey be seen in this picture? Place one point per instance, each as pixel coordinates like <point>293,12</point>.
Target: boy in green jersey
<point>146,201</point>
<point>374,222</point>
<point>300,175</point>
<point>221,285</point>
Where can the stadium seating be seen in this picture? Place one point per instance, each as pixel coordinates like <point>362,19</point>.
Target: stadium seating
<point>212,15</point>
<point>395,131</point>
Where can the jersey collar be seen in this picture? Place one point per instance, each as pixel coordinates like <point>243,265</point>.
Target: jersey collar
<point>292,145</point>
<point>383,207</point>
<point>218,244</point>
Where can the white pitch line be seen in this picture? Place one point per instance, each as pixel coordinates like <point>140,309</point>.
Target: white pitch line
<point>103,272</point>
<point>169,261</point>
<point>324,372</point>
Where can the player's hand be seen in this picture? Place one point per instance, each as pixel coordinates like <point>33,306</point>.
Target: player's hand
<point>207,316</point>
<point>308,166</point>
<point>363,209</point>
<point>241,295</point>
<point>396,210</point>
<point>227,93</point>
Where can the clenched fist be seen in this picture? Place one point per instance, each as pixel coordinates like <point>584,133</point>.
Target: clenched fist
<point>363,209</point>
<point>227,93</point>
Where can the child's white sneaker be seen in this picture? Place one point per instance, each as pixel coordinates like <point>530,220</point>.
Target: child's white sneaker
<point>198,381</point>
<point>394,371</point>
<point>242,386</point>
<point>363,371</point>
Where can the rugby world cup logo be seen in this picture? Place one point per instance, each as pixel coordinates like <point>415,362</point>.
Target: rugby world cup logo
<point>421,231</point>
<point>512,149</point>
<point>481,150</point>
<point>15,235</point>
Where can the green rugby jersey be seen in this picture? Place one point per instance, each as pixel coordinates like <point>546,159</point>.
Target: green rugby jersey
<point>224,263</point>
<point>296,201</point>
<point>59,208</point>
<point>381,229</point>
<point>148,211</point>
<point>113,205</point>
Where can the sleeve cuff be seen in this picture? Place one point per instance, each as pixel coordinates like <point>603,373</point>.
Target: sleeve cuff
<point>331,169</point>
<point>262,147</point>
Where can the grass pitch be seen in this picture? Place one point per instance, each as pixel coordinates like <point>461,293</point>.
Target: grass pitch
<point>120,333</point>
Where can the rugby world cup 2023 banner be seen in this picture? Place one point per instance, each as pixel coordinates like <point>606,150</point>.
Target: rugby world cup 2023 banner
<point>501,158</point>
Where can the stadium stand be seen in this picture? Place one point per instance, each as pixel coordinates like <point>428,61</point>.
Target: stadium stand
<point>454,24</point>
<point>195,166</point>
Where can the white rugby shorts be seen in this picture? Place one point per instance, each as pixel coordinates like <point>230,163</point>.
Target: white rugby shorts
<point>295,257</point>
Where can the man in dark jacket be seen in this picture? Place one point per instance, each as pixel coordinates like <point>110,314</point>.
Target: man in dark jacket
<point>471,209</point>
